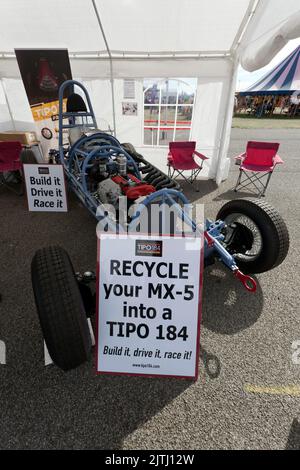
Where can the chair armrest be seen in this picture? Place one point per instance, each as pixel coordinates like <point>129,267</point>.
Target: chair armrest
<point>277,160</point>
<point>200,155</point>
<point>169,159</point>
<point>240,156</point>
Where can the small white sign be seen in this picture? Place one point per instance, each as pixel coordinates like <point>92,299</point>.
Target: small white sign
<point>149,305</point>
<point>45,187</point>
<point>129,89</point>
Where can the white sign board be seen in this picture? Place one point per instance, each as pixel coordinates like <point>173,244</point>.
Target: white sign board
<point>45,188</point>
<point>149,305</point>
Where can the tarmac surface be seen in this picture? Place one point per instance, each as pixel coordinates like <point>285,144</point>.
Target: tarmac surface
<point>248,391</point>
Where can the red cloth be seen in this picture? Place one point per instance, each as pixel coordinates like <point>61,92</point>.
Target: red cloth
<point>10,156</point>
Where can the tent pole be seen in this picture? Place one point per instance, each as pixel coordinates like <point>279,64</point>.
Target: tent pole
<point>8,105</point>
<point>110,64</point>
<point>244,24</point>
<point>224,138</point>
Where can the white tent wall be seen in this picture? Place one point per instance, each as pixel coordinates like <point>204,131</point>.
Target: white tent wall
<point>223,163</point>
<point>210,110</point>
<point>145,67</point>
<point>208,121</point>
<point>6,121</point>
<point>100,93</point>
<point>18,104</point>
<point>208,116</point>
<point>129,128</point>
<point>207,125</point>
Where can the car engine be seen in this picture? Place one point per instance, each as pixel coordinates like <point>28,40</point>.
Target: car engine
<point>110,179</point>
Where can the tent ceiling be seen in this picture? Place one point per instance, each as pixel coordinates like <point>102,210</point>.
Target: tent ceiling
<point>49,24</point>
<point>139,30</point>
<point>130,25</point>
<point>172,25</point>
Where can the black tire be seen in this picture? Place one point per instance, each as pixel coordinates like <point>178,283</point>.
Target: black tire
<point>60,308</point>
<point>273,232</point>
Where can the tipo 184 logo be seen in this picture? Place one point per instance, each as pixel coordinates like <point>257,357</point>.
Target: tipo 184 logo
<point>148,248</point>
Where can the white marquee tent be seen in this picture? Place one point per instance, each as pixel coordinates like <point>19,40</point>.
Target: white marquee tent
<point>112,40</point>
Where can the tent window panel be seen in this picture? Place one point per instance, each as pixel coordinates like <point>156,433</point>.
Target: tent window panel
<point>184,115</point>
<point>150,136</point>
<point>185,94</point>
<point>168,110</point>
<point>182,134</point>
<point>151,115</point>
<point>165,136</point>
<point>151,94</point>
<point>167,115</point>
<point>169,90</point>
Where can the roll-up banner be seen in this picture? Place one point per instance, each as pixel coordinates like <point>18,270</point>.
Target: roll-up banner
<point>42,72</point>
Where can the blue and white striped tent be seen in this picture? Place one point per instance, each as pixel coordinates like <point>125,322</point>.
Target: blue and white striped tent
<point>284,79</point>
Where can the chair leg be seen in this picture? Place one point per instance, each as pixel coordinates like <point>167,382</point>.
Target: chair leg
<point>238,181</point>
<point>266,185</point>
<point>256,180</point>
<point>172,173</point>
<point>3,182</point>
<point>194,176</point>
<point>22,183</point>
<point>193,179</point>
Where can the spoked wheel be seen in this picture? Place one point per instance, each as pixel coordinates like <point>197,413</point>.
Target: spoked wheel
<point>255,234</point>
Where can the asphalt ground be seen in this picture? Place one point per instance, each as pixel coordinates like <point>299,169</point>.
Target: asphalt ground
<point>247,394</point>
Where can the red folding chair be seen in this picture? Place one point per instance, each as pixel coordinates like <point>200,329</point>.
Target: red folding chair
<point>257,165</point>
<point>9,161</point>
<point>181,158</point>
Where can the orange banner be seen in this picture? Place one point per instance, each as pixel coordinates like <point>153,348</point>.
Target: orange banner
<point>46,110</point>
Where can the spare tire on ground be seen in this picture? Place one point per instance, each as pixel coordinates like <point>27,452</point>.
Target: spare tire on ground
<point>255,234</point>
